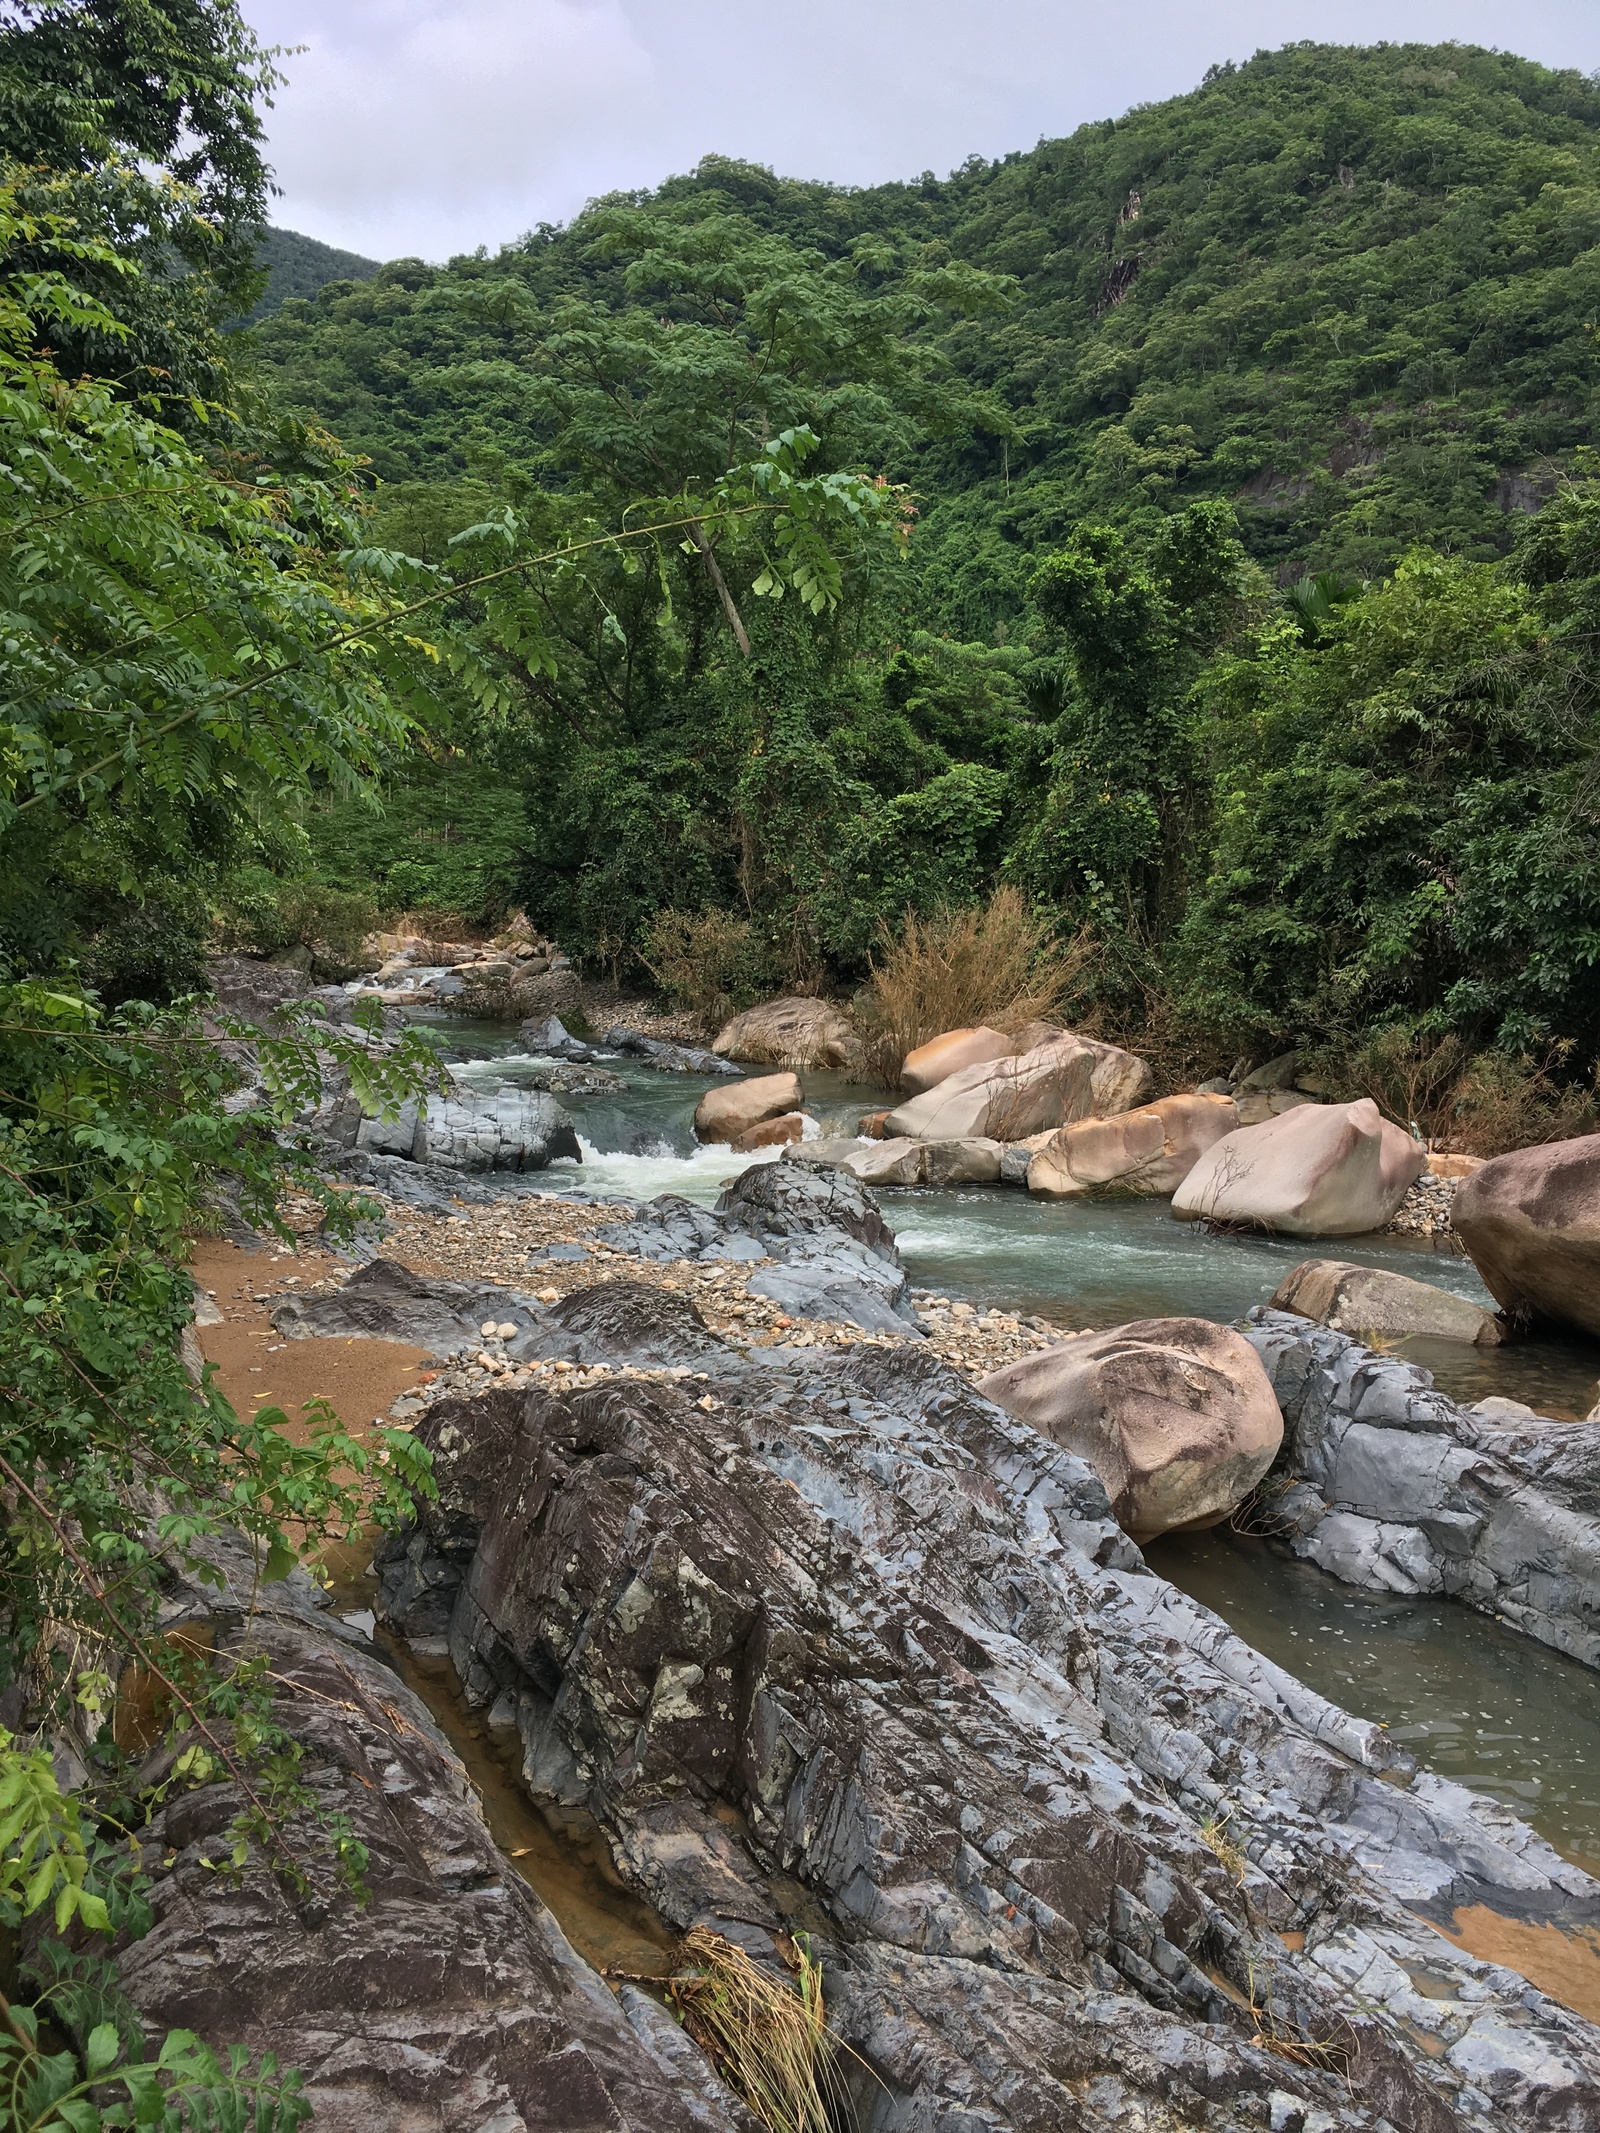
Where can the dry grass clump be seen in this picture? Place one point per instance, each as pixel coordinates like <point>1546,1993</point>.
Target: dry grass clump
<point>998,965</point>
<point>1483,1103</point>
<point>711,963</point>
<point>769,2037</point>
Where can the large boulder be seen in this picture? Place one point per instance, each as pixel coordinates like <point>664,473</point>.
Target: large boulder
<point>447,1996</point>
<point>1148,1151</point>
<point>772,1133</point>
<point>723,1114</point>
<point>1321,1170</point>
<point>1531,1221</point>
<point>491,1129</point>
<point>1176,1416</point>
<point>1003,1099</point>
<point>797,1032</point>
<point>1366,1300</point>
<point>929,1064</point>
<point>907,1162</point>
<point>1118,1079</point>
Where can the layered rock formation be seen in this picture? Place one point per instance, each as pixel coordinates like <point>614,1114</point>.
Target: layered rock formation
<point>1396,1488</point>
<point>451,2000</point>
<point>841,1644</point>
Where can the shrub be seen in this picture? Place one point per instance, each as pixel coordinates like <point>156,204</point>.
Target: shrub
<point>997,963</point>
<point>260,914</point>
<point>1480,1104</point>
<point>710,962</point>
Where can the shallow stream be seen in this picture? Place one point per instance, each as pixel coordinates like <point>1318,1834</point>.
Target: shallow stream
<point>1470,1698</point>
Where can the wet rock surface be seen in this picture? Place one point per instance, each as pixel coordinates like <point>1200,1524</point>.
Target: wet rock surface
<point>838,1643</point>
<point>451,2001</point>
<point>665,1056</point>
<point>1394,1487</point>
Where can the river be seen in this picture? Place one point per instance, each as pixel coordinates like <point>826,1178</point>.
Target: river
<point>1470,1698</point>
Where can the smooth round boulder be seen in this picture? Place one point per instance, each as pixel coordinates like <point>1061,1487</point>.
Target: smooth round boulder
<point>1320,1170</point>
<point>1531,1221</point>
<point>1147,1152</point>
<point>928,1064</point>
<point>794,1032</point>
<point>1003,1099</point>
<point>1176,1415</point>
<point>723,1114</point>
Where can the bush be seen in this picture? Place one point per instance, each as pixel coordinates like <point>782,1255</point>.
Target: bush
<point>1479,1104</point>
<point>263,915</point>
<point>997,964</point>
<point>710,962</point>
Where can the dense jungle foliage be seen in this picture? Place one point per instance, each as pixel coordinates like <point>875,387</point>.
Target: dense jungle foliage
<point>1248,616</point>
<point>1187,530</point>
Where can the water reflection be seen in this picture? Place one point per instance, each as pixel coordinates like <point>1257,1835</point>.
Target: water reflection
<point>1470,1699</point>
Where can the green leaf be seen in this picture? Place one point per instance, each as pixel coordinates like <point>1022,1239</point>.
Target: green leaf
<point>101,2049</point>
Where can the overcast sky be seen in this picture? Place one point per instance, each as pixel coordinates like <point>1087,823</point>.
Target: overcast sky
<point>434,126</point>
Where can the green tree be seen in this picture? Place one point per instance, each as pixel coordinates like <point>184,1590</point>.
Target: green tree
<point>1112,834</point>
<point>1405,822</point>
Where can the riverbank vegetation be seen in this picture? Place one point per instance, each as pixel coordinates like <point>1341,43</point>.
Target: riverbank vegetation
<point>1246,625</point>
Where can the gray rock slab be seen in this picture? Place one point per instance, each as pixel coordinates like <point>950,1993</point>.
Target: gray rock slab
<point>1422,1495</point>
<point>852,1644</point>
<point>452,1999</point>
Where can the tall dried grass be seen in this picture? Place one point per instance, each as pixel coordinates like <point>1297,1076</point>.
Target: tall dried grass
<point>769,2037</point>
<point>998,965</point>
<point>710,963</point>
<point>1483,1103</point>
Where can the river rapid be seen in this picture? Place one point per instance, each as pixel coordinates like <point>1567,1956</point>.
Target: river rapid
<point>1471,1698</point>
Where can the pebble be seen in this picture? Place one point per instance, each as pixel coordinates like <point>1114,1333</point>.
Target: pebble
<point>1425,1212</point>
<point>506,1242</point>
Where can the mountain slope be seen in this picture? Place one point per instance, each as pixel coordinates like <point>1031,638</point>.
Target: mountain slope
<point>1354,290</point>
<point>299,266</point>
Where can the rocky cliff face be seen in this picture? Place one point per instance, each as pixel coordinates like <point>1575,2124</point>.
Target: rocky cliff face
<point>836,1643</point>
<point>450,2002</point>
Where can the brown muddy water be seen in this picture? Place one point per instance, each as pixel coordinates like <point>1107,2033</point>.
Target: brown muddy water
<point>570,1869</point>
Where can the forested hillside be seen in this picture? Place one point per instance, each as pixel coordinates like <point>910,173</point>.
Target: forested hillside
<point>1354,291</point>
<point>1222,429</point>
<point>300,266</point>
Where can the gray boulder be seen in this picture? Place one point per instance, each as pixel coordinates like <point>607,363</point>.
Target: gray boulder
<point>664,1057</point>
<point>501,1129</point>
<point>1397,1488</point>
<point>385,1301</point>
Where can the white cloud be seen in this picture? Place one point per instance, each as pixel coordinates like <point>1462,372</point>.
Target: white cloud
<point>432,126</point>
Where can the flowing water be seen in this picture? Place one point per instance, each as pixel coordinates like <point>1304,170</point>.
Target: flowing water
<point>1470,1698</point>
